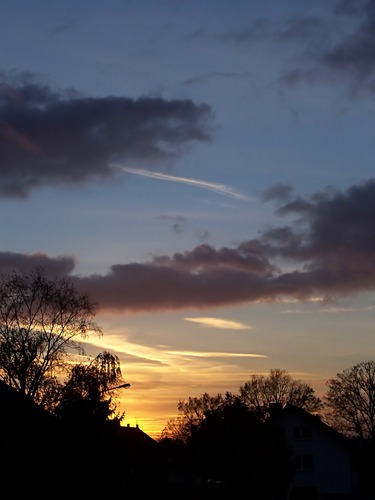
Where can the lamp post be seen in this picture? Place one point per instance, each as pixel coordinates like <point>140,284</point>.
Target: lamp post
<point>122,386</point>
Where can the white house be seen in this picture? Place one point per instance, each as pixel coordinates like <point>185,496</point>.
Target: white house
<point>323,461</point>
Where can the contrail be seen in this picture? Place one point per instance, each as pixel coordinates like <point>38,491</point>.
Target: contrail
<point>210,186</point>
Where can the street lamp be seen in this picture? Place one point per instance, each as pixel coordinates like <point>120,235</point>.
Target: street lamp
<point>122,386</point>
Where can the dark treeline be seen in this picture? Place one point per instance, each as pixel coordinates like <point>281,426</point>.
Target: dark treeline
<point>61,431</point>
<point>232,443</point>
<point>222,446</point>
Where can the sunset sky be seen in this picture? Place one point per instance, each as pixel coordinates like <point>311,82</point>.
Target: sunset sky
<point>204,170</point>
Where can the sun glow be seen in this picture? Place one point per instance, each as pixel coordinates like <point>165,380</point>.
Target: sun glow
<point>158,374</point>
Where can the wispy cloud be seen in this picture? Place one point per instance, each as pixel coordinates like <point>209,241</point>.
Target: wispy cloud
<point>349,60</point>
<point>210,186</point>
<point>119,343</point>
<point>210,354</point>
<point>162,355</point>
<point>158,376</point>
<point>219,323</point>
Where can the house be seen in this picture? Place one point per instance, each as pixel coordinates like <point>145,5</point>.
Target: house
<point>28,434</point>
<point>39,453</point>
<point>323,459</point>
<point>129,457</point>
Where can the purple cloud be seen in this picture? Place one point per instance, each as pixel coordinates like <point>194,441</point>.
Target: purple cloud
<point>327,251</point>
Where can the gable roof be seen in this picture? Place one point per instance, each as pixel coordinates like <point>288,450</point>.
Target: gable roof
<point>135,436</point>
<point>312,420</point>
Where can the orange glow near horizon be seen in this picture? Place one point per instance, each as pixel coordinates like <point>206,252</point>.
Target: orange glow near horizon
<point>162,374</point>
<point>152,416</point>
<point>160,377</point>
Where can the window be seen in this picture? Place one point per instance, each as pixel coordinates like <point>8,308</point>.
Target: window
<point>304,462</point>
<point>302,432</point>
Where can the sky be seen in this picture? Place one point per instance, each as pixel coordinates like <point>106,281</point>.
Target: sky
<point>204,171</point>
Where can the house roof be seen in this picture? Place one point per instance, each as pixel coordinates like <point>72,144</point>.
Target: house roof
<point>20,416</point>
<point>137,436</point>
<point>313,420</point>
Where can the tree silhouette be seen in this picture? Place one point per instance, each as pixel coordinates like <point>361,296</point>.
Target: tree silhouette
<point>239,451</point>
<point>261,391</point>
<point>41,320</point>
<point>191,413</point>
<point>85,397</point>
<point>257,394</point>
<point>351,401</point>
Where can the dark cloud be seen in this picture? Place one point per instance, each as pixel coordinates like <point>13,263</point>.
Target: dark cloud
<point>337,47</point>
<point>335,230</point>
<point>53,267</point>
<point>150,287</point>
<point>281,192</point>
<point>327,251</point>
<point>347,56</point>
<point>354,56</point>
<point>246,257</point>
<point>49,138</point>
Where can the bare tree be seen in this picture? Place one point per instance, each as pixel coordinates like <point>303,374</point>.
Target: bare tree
<point>191,413</point>
<point>351,401</point>
<point>261,391</point>
<point>41,322</point>
<point>257,394</point>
